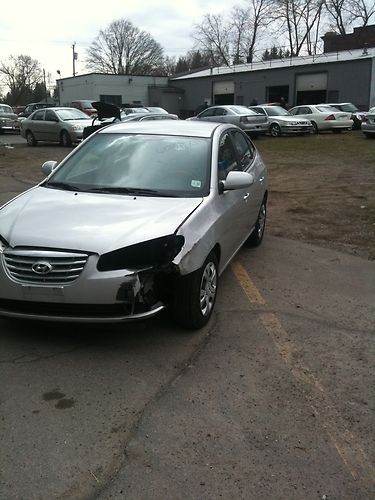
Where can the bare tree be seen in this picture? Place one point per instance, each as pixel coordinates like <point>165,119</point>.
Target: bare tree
<point>122,48</point>
<point>247,26</point>
<point>362,11</point>
<point>301,19</point>
<point>339,12</point>
<point>20,74</point>
<point>212,37</point>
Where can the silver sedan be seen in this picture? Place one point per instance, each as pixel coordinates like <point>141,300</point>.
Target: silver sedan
<point>281,122</point>
<point>140,216</point>
<point>249,121</point>
<point>63,125</point>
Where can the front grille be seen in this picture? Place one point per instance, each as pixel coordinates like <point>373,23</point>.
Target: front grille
<point>61,267</point>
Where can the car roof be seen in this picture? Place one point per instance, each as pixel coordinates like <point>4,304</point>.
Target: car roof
<point>165,127</point>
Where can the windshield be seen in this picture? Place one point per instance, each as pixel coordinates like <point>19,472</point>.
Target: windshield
<point>277,111</point>
<point>87,105</point>
<point>128,111</point>
<point>137,164</point>
<point>349,108</point>
<point>5,109</point>
<point>71,114</point>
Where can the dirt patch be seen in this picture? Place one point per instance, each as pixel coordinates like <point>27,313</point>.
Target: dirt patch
<point>322,188</point>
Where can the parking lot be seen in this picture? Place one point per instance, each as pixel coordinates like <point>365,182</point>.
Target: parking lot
<point>273,399</point>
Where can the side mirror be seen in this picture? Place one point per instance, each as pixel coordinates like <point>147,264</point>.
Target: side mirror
<point>48,166</point>
<point>238,180</point>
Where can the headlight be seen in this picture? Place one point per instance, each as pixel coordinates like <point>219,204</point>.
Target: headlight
<point>77,128</point>
<point>149,253</point>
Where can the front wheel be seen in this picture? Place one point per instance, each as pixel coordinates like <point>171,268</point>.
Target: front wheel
<point>275,130</point>
<point>30,139</point>
<point>315,129</point>
<point>256,237</point>
<point>65,139</point>
<point>195,295</point>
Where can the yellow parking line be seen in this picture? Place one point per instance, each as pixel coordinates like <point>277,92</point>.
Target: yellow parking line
<point>246,283</point>
<point>350,452</point>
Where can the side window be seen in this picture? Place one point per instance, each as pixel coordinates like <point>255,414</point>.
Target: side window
<point>39,115</point>
<point>293,111</point>
<point>207,112</point>
<point>50,116</point>
<point>227,159</point>
<point>220,112</point>
<point>259,110</point>
<point>244,149</point>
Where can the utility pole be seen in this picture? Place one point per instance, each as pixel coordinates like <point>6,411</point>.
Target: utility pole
<point>74,58</point>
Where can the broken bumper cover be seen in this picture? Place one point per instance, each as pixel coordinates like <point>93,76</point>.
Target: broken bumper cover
<point>107,297</point>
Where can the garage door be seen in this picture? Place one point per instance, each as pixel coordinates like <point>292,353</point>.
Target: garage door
<point>311,88</point>
<point>224,92</point>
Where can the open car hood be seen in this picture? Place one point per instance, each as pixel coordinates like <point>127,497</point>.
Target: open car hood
<point>106,110</point>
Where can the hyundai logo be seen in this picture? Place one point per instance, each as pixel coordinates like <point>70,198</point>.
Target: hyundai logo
<point>41,267</point>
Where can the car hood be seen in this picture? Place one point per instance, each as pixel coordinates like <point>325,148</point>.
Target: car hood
<point>91,222</point>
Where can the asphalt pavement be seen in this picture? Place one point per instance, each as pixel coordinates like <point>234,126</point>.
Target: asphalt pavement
<point>273,399</point>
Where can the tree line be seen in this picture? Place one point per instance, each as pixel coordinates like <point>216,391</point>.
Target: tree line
<point>230,38</point>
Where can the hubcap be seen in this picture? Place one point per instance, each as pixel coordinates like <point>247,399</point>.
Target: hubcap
<point>261,220</point>
<point>208,288</point>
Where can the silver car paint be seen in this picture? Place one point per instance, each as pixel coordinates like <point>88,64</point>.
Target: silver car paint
<point>82,219</point>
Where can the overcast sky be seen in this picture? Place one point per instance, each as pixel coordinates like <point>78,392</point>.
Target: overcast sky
<point>46,30</point>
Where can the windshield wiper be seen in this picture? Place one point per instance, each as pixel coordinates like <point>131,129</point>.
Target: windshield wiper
<point>62,185</point>
<point>131,191</point>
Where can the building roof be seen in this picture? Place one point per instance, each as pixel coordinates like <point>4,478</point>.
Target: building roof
<point>328,57</point>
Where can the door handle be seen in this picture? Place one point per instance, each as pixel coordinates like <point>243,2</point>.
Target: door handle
<point>246,196</point>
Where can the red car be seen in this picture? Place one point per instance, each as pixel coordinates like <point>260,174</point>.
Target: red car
<point>85,106</point>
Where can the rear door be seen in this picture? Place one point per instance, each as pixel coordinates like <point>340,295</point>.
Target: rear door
<point>52,126</point>
<point>37,125</point>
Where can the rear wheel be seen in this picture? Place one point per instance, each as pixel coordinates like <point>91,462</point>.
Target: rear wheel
<point>195,295</point>
<point>30,139</point>
<point>315,129</point>
<point>65,139</point>
<point>256,237</point>
<point>275,130</point>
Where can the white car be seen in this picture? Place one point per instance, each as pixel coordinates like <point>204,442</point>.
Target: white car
<point>281,122</point>
<point>324,117</point>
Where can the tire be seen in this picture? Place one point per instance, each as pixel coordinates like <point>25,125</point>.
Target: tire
<point>256,237</point>
<point>30,139</point>
<point>275,130</point>
<point>315,129</point>
<point>195,295</point>
<point>65,139</point>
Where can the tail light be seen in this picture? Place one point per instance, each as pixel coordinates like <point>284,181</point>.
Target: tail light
<point>330,117</point>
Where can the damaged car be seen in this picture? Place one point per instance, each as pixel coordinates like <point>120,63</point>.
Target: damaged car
<point>139,217</point>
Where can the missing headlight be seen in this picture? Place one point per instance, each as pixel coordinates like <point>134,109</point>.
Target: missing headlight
<point>149,253</point>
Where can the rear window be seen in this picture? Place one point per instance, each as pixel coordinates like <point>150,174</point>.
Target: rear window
<point>4,108</point>
<point>326,109</point>
<point>241,110</point>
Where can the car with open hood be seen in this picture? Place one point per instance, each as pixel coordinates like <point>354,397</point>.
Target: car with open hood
<point>139,217</point>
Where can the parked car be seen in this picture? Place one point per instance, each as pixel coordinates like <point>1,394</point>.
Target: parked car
<point>248,120</point>
<point>85,106</point>
<point>131,110</point>
<point>30,108</point>
<point>139,217</point>
<point>156,109</point>
<point>8,119</point>
<point>63,125</point>
<point>323,117</point>
<point>355,114</point>
<point>281,122</point>
<point>368,124</point>
<point>140,117</point>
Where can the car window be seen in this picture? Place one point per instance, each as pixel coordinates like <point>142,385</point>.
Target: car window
<point>326,109</point>
<point>50,116</point>
<point>71,114</point>
<point>244,149</point>
<point>304,111</point>
<point>207,112</point>
<point>226,159</point>
<point>221,112</point>
<point>259,110</point>
<point>5,109</point>
<point>38,115</point>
